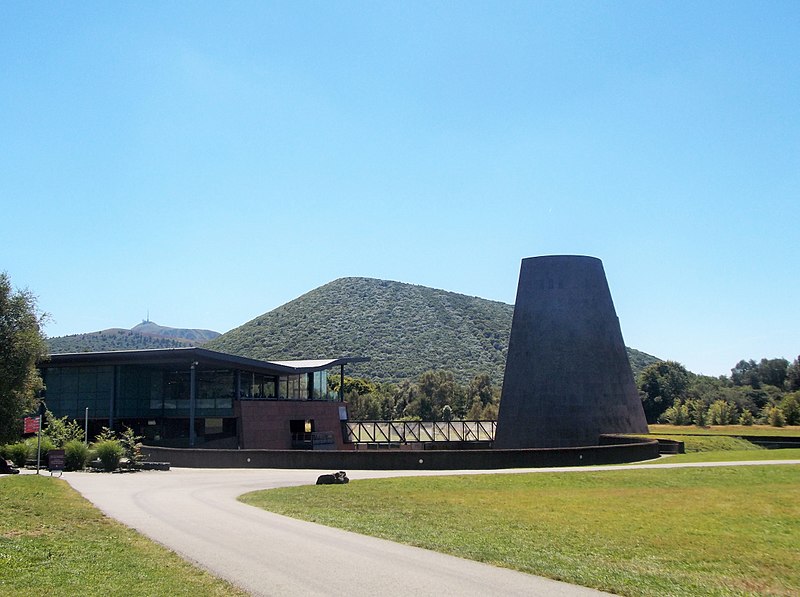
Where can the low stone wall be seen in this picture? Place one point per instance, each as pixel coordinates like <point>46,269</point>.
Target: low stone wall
<point>613,451</point>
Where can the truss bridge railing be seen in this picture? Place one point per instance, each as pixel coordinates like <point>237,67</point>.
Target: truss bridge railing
<point>401,432</point>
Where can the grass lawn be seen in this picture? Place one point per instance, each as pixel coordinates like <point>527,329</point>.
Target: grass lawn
<point>721,531</point>
<point>54,542</point>
<point>761,430</point>
<point>735,455</point>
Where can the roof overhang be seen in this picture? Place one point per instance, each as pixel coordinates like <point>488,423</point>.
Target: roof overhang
<point>186,356</point>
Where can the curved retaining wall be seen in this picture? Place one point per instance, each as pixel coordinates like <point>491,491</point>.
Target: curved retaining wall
<point>612,451</point>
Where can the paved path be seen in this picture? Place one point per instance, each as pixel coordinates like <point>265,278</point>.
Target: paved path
<point>195,513</point>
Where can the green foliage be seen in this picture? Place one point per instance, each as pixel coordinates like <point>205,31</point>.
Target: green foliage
<point>677,414</point>
<point>131,447</point>
<point>746,418</point>
<point>63,430</point>
<point>774,416</point>
<point>434,395</point>
<point>110,452</point>
<point>76,455</point>
<point>22,345</point>
<point>405,329</point>
<point>105,434</point>
<point>661,384</point>
<point>721,413</point>
<point>143,336</point>
<point>17,453</point>
<point>45,446</point>
<point>793,375</point>
<point>790,405</point>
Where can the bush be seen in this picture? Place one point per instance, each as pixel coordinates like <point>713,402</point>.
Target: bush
<point>33,444</point>
<point>17,453</point>
<point>109,451</point>
<point>677,414</point>
<point>76,455</point>
<point>131,447</point>
<point>746,418</point>
<point>722,412</point>
<point>62,430</point>
<point>774,416</point>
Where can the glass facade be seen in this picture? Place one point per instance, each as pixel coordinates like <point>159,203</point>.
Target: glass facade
<point>146,392</point>
<point>306,386</point>
<point>137,392</point>
<point>70,391</point>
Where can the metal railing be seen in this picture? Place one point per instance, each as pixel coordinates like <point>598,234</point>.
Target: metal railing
<point>393,432</point>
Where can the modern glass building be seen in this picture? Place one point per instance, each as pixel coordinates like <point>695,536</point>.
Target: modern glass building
<point>201,398</point>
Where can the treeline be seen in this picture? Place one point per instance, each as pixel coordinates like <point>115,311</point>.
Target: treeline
<point>110,340</point>
<point>432,396</point>
<point>767,392</point>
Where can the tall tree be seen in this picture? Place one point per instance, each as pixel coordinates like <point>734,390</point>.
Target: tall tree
<point>793,375</point>
<point>22,344</point>
<point>745,373</point>
<point>660,385</point>
<point>773,372</point>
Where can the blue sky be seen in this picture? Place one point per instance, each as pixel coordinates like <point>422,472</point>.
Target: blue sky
<point>208,162</point>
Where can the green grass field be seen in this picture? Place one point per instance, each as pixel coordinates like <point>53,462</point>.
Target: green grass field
<point>717,531</point>
<point>760,430</point>
<point>735,456</point>
<point>54,542</point>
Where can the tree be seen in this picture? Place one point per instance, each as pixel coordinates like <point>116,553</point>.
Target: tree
<point>22,345</point>
<point>793,375</point>
<point>773,372</point>
<point>660,385</point>
<point>745,373</point>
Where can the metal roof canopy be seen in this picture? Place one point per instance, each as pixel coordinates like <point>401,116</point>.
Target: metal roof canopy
<point>188,355</point>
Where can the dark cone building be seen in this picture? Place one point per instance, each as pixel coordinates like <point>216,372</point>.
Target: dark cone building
<point>567,379</point>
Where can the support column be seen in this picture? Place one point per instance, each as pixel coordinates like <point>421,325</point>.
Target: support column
<point>341,383</point>
<point>192,400</point>
<point>114,392</point>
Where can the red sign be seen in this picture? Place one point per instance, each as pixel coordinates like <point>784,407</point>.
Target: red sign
<point>31,424</point>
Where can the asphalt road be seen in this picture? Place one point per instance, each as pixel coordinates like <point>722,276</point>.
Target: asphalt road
<point>194,512</point>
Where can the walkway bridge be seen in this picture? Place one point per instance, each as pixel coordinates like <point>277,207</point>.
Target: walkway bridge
<point>395,433</point>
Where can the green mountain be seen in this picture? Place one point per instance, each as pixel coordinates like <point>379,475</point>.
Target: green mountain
<point>404,328</point>
<point>145,335</point>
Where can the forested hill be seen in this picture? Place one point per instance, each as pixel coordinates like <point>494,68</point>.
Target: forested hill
<point>404,328</point>
<point>145,335</point>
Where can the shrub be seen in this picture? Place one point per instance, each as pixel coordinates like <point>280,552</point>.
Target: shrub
<point>109,451</point>
<point>17,453</point>
<point>746,418</point>
<point>698,413</point>
<point>33,444</point>
<point>722,412</point>
<point>790,405</point>
<point>677,414</point>
<point>76,455</point>
<point>131,447</point>
<point>775,417</point>
<point>62,430</point>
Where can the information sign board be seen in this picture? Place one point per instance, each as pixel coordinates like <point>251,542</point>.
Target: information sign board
<point>55,460</point>
<point>31,424</point>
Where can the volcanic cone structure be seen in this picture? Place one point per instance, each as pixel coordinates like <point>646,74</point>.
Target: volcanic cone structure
<point>568,379</point>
